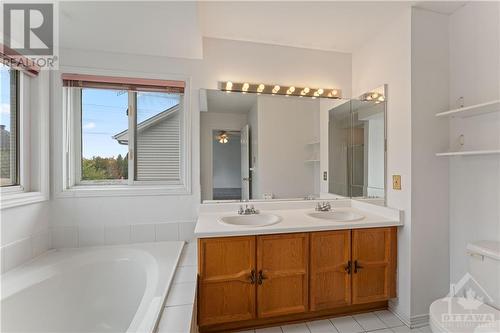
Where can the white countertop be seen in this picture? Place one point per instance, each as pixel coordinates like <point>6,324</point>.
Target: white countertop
<point>294,218</point>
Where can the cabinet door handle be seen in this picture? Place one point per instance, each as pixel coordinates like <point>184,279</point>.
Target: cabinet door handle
<point>348,267</point>
<point>253,277</point>
<point>357,266</point>
<point>261,277</point>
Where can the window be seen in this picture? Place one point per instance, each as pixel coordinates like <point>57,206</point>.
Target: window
<point>9,127</point>
<point>24,132</point>
<point>104,113</point>
<point>125,131</point>
<point>158,136</point>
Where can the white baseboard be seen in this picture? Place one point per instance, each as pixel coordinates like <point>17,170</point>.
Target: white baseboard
<point>404,318</point>
<point>420,321</point>
<point>412,322</point>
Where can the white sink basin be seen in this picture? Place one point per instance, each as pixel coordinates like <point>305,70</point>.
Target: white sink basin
<point>338,216</point>
<point>254,220</point>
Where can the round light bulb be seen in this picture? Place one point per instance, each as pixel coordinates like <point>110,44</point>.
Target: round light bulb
<point>306,90</point>
<point>245,86</point>
<point>229,85</point>
<point>320,91</point>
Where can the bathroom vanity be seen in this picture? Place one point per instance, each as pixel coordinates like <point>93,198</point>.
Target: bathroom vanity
<point>305,266</point>
<point>283,260</point>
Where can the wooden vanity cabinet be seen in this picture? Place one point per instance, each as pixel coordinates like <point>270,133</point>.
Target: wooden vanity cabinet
<point>257,280</point>
<point>350,267</point>
<point>330,269</point>
<point>282,262</point>
<point>226,279</point>
<point>236,277</point>
<point>374,258</point>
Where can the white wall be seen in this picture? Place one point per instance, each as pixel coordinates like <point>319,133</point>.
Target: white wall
<point>385,59</point>
<point>222,60</point>
<point>474,181</point>
<point>429,174</point>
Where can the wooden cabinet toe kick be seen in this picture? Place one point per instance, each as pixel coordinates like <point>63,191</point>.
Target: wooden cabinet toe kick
<point>293,319</point>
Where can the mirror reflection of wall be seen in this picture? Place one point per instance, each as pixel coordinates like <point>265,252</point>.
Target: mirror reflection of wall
<point>262,147</point>
<point>339,125</point>
<point>356,147</point>
<point>226,113</point>
<point>368,151</point>
<point>278,147</point>
<point>226,168</point>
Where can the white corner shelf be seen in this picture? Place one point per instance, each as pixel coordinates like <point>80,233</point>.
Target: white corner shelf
<point>469,153</point>
<point>473,110</point>
<point>311,161</point>
<point>312,143</point>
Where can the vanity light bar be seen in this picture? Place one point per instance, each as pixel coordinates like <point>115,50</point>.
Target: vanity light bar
<point>373,97</point>
<point>274,89</point>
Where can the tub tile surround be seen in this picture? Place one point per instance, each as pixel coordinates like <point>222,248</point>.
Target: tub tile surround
<point>294,217</point>
<point>55,237</point>
<point>24,250</point>
<point>81,236</point>
<point>179,314</point>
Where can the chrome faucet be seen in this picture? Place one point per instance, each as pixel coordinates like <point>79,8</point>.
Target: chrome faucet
<point>323,207</point>
<point>247,210</point>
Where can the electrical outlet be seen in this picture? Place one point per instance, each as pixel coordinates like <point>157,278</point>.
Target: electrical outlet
<point>396,182</point>
<point>325,175</point>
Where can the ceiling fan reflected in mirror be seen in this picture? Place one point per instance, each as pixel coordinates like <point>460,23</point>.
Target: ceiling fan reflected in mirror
<point>222,137</point>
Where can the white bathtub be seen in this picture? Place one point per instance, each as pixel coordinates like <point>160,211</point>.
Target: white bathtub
<point>102,289</point>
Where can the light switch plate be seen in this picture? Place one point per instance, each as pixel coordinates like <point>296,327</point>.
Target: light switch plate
<point>396,182</point>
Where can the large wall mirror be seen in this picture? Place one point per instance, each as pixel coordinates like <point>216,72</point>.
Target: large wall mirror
<point>271,147</point>
<point>356,146</point>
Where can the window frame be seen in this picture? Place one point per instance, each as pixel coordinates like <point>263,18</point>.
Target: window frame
<point>72,185</point>
<point>18,186</point>
<point>32,143</point>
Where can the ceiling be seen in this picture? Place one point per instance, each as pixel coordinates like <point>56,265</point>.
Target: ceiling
<point>176,28</point>
<point>333,26</point>
<point>223,102</point>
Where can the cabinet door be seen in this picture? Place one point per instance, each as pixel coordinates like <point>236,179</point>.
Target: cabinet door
<point>374,260</point>
<point>282,262</point>
<point>330,279</point>
<point>226,290</point>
